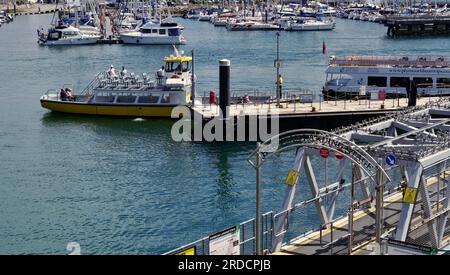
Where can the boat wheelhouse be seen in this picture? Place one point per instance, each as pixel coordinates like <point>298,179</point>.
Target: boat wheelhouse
<point>395,75</point>
<point>155,34</point>
<point>123,94</point>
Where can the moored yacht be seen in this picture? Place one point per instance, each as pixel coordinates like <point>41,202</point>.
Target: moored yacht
<point>251,26</point>
<point>155,34</point>
<point>309,25</point>
<point>66,35</point>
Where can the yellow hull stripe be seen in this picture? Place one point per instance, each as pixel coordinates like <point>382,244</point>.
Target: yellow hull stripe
<point>108,110</point>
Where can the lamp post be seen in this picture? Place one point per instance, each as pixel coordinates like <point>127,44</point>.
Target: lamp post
<point>258,201</point>
<point>277,65</point>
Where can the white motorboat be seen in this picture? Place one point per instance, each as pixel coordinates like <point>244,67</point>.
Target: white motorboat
<point>66,35</point>
<point>155,34</point>
<point>251,26</point>
<point>205,17</point>
<point>310,25</point>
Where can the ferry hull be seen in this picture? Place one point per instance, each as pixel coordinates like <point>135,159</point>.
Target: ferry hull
<point>108,110</point>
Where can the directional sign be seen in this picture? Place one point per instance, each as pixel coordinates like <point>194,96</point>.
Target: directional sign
<point>390,160</point>
<point>324,152</point>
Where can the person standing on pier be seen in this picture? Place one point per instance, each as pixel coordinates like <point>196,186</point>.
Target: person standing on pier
<point>280,85</point>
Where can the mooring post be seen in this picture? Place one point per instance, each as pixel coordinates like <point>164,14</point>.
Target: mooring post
<point>258,200</point>
<point>224,86</point>
<point>224,95</point>
<point>193,79</point>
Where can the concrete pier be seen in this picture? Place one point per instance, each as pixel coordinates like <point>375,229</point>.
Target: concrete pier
<point>417,25</point>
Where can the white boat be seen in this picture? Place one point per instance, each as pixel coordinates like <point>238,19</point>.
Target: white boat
<point>155,34</point>
<point>204,17</point>
<point>66,35</point>
<point>310,25</point>
<point>251,26</point>
<point>393,74</point>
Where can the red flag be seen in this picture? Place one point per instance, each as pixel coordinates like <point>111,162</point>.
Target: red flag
<point>324,48</point>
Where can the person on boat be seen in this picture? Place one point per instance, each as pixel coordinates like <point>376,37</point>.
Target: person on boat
<point>112,72</point>
<point>160,75</point>
<point>161,72</point>
<point>69,94</point>
<point>123,72</point>
<point>63,95</point>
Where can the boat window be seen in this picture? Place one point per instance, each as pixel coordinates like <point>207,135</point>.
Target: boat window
<point>152,98</point>
<point>126,99</point>
<point>165,98</point>
<point>146,30</point>
<point>339,82</point>
<point>443,82</point>
<point>104,99</point>
<point>400,82</point>
<point>154,31</point>
<point>54,35</point>
<point>423,82</point>
<point>173,67</point>
<point>162,31</point>
<point>379,81</point>
<point>185,66</point>
<point>174,32</point>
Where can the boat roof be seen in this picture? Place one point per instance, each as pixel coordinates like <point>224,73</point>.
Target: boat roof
<point>172,58</point>
<point>390,61</point>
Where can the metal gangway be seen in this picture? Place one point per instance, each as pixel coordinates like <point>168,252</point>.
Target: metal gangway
<point>392,180</point>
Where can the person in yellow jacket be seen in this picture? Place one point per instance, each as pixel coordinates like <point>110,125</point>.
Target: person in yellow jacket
<point>280,85</point>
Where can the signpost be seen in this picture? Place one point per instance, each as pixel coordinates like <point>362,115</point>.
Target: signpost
<point>390,160</point>
<point>226,242</point>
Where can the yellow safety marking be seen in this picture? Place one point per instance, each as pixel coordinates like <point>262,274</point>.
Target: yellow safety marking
<point>291,178</point>
<point>187,251</point>
<point>344,221</point>
<point>410,195</point>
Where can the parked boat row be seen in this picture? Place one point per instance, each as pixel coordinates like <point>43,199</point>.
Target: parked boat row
<point>291,18</point>
<point>74,25</point>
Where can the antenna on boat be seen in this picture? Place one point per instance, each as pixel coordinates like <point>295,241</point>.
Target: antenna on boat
<point>177,53</point>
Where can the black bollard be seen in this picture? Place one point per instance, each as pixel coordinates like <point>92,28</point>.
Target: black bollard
<point>412,95</point>
<point>224,86</point>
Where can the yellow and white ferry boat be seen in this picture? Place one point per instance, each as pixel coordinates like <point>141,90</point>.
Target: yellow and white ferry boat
<point>114,93</point>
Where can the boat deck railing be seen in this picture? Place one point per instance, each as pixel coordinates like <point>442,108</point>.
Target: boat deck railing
<point>103,81</point>
<point>405,61</point>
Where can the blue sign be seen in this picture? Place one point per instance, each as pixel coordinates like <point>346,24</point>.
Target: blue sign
<point>390,160</point>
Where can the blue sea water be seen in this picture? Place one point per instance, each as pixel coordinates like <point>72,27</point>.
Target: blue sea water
<point>118,186</point>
